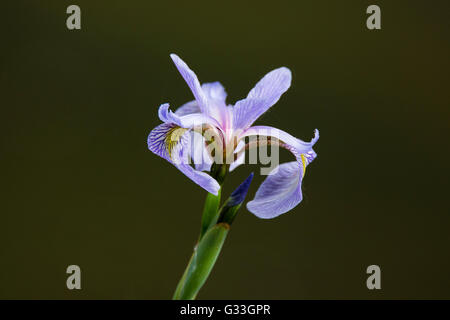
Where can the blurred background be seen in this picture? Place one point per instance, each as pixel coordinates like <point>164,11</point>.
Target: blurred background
<point>79,186</point>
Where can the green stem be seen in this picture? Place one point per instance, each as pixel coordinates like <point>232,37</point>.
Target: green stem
<point>209,245</point>
<point>176,295</point>
<point>210,212</point>
<point>209,219</point>
<point>202,262</point>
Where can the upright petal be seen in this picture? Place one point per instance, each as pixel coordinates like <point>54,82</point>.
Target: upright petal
<point>281,191</point>
<point>217,108</point>
<point>264,95</point>
<point>192,81</point>
<point>215,91</point>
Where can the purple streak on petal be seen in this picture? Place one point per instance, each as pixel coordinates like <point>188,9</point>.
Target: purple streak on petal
<point>192,81</point>
<point>264,95</point>
<point>238,195</point>
<point>156,140</point>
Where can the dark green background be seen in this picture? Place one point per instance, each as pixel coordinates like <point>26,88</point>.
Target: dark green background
<point>78,185</point>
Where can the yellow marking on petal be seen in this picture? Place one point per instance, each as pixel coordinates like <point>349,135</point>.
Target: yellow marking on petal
<point>302,156</point>
<point>172,138</point>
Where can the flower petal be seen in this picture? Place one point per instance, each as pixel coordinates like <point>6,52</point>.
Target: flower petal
<point>172,143</point>
<point>290,141</point>
<point>215,91</point>
<point>185,121</point>
<point>156,140</point>
<point>188,108</point>
<point>210,97</point>
<point>281,191</point>
<point>264,95</point>
<point>199,153</point>
<point>192,81</point>
<point>203,179</point>
<point>181,160</point>
<point>217,107</point>
<point>241,156</point>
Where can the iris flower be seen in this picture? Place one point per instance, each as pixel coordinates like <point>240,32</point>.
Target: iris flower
<point>231,125</point>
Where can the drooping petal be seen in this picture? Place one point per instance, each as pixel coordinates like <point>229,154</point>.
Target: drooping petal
<point>184,117</point>
<point>182,162</point>
<point>290,141</point>
<point>172,143</point>
<point>157,138</point>
<point>281,191</point>
<point>264,95</point>
<point>192,81</point>
<point>203,179</point>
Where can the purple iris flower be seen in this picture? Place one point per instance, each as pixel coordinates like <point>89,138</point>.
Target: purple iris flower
<point>172,140</point>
